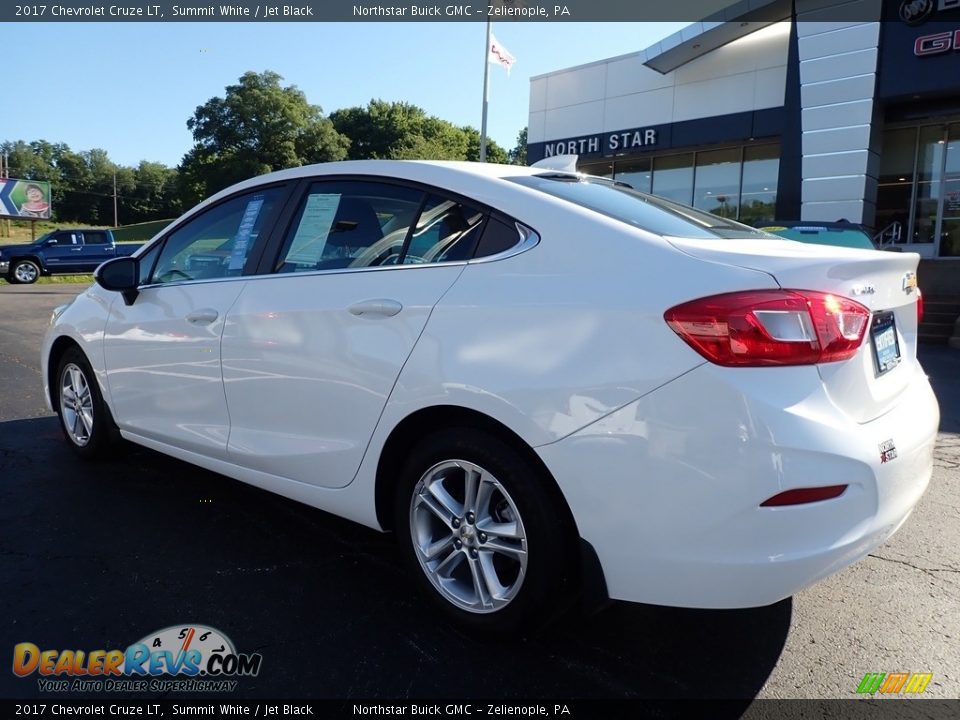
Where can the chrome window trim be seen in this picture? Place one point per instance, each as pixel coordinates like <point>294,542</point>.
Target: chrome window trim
<point>528,239</point>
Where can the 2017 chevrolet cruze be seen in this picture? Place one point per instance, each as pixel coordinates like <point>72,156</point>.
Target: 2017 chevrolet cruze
<point>533,377</point>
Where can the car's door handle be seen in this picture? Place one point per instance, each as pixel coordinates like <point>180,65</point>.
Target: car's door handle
<point>202,317</point>
<point>385,308</point>
<point>79,249</point>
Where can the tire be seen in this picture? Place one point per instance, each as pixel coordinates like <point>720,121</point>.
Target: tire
<point>512,542</point>
<point>84,418</point>
<point>25,272</point>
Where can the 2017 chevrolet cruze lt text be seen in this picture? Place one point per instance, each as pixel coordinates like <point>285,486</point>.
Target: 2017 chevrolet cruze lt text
<point>529,375</point>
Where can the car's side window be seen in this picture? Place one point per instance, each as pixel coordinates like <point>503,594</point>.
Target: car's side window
<point>66,238</point>
<point>498,236</point>
<point>216,243</point>
<point>349,224</point>
<point>94,238</point>
<point>446,231</point>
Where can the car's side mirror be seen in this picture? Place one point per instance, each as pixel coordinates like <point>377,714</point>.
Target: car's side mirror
<point>120,275</point>
<point>51,242</point>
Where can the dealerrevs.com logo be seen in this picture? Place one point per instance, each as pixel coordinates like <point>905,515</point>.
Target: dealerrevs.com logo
<point>185,658</point>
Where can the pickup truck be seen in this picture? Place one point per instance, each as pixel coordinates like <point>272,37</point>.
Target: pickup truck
<point>59,252</point>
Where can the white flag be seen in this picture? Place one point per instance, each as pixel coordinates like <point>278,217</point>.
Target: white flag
<point>499,55</point>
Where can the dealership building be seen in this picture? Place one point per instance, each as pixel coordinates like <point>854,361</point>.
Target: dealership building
<point>788,114</point>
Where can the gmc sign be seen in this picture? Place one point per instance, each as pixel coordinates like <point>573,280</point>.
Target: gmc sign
<point>937,43</point>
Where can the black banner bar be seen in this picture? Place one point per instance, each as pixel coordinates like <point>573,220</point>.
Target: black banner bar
<point>866,708</point>
<point>440,11</point>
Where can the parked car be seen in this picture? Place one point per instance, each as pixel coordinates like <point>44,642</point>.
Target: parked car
<point>543,383</point>
<point>73,250</point>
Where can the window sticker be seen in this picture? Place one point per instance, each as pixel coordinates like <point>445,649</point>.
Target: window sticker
<point>242,239</point>
<point>315,223</point>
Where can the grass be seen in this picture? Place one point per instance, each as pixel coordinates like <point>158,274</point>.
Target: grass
<point>139,232</point>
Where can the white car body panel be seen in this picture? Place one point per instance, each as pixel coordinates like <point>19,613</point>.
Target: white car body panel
<point>703,452</point>
<point>662,457</point>
<point>306,381</point>
<point>162,361</point>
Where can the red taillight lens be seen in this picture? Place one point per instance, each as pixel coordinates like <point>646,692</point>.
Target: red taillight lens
<point>802,496</point>
<point>771,327</point>
<point>919,306</point>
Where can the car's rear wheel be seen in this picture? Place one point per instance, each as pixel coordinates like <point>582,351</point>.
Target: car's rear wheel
<point>25,271</point>
<point>485,539</point>
<point>84,418</point>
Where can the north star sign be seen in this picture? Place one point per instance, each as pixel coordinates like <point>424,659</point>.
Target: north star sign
<point>616,142</point>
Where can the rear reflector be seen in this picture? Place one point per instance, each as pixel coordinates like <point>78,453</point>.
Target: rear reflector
<point>919,306</point>
<point>771,327</point>
<point>801,496</point>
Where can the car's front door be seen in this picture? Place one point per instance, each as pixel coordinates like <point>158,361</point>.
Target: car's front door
<point>63,252</point>
<point>162,352</point>
<point>311,352</point>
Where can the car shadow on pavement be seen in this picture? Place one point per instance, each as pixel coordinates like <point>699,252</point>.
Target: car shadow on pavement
<point>99,555</point>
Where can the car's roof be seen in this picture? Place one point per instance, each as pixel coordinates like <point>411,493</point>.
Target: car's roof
<point>411,169</point>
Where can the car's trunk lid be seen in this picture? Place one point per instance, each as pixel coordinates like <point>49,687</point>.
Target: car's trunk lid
<point>867,385</point>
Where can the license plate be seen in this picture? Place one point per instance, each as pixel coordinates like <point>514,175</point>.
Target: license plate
<point>886,349</point>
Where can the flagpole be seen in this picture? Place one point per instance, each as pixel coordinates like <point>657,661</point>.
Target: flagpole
<point>486,94</point>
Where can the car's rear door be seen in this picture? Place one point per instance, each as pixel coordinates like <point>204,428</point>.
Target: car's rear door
<point>312,348</point>
<point>97,249</point>
<point>162,352</point>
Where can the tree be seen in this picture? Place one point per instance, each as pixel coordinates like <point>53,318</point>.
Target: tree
<point>257,127</point>
<point>518,156</point>
<point>401,131</point>
<point>495,153</point>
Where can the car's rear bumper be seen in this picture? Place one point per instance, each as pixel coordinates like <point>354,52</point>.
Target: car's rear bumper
<point>668,489</point>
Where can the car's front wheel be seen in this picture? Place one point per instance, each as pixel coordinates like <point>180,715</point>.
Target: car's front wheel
<point>25,271</point>
<point>481,533</point>
<point>84,417</point>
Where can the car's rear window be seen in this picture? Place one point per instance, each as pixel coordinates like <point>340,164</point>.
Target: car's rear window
<point>819,235</point>
<point>638,209</point>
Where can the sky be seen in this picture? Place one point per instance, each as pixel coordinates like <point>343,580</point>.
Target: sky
<point>129,88</point>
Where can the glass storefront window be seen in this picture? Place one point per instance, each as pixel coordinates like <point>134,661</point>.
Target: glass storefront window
<point>761,169</point>
<point>929,174</point>
<point>673,177</point>
<point>739,183</point>
<point>950,227</point>
<point>895,184</point>
<point>636,173</point>
<point>717,182</point>
<point>600,169</point>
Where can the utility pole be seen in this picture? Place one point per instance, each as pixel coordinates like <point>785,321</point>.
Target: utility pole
<point>4,174</point>
<point>115,223</point>
<point>486,96</point>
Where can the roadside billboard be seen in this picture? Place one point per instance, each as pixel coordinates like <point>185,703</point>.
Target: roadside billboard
<point>25,198</point>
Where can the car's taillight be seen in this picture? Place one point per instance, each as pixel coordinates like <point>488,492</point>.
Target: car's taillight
<point>771,327</point>
<point>919,306</point>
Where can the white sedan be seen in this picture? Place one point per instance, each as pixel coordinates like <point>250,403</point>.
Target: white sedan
<point>540,381</point>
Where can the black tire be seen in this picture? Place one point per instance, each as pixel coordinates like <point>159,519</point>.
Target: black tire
<point>32,274</point>
<point>100,434</point>
<point>544,589</point>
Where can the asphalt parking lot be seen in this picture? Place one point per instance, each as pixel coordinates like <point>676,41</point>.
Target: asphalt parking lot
<point>98,556</point>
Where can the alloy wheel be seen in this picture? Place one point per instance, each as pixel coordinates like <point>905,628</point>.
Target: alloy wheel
<point>468,536</point>
<point>25,273</point>
<point>76,404</point>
